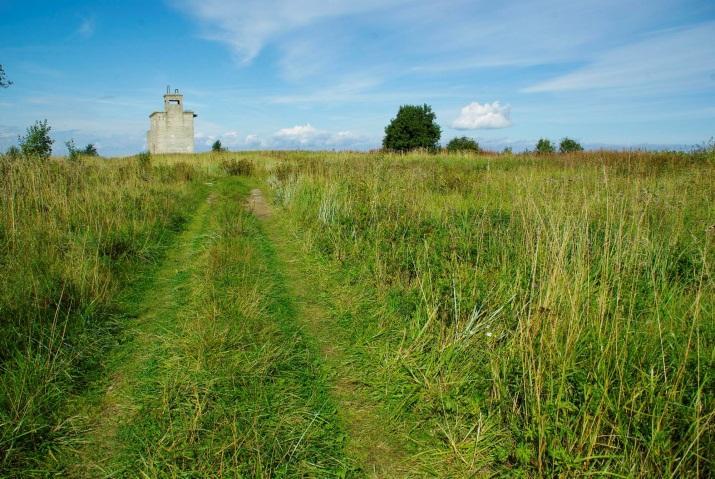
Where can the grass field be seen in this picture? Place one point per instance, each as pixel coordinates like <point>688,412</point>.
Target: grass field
<point>380,316</point>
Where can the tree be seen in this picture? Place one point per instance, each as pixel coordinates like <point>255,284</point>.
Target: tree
<point>544,146</point>
<point>73,152</point>
<point>217,146</point>
<point>413,127</point>
<point>463,144</point>
<point>90,150</point>
<point>568,145</point>
<point>4,82</point>
<point>37,141</point>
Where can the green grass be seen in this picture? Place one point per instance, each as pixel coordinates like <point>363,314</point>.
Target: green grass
<point>234,389</point>
<point>72,236</point>
<point>538,316</point>
<point>398,315</point>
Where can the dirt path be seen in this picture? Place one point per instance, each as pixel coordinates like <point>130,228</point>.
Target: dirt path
<point>258,205</point>
<point>373,439</point>
<point>213,376</point>
<point>218,370</point>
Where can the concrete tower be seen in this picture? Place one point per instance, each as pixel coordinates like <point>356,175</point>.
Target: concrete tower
<point>171,130</point>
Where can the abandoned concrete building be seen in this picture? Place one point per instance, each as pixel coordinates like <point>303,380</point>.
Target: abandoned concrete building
<point>171,130</point>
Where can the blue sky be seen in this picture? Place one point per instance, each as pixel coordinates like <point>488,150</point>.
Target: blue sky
<point>330,74</point>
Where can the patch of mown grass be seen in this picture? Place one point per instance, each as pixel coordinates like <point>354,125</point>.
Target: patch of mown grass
<point>559,309</point>
<point>231,385</point>
<point>74,235</point>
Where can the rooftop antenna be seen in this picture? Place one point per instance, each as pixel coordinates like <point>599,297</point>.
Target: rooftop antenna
<point>168,90</point>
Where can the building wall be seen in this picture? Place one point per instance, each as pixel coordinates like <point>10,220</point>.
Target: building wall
<point>171,131</point>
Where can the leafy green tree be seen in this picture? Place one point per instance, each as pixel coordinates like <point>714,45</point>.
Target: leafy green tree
<point>507,150</point>
<point>4,82</point>
<point>544,146</point>
<point>568,145</point>
<point>413,127</point>
<point>217,147</point>
<point>37,142</point>
<point>73,152</point>
<point>463,143</point>
<point>90,150</point>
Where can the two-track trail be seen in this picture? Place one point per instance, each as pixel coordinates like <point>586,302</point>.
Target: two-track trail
<point>372,440</point>
<point>230,365</point>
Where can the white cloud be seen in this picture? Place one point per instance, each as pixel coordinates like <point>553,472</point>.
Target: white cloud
<point>476,116</point>
<point>308,137</point>
<point>673,60</point>
<point>301,134</point>
<point>228,139</point>
<point>246,26</point>
<point>318,38</point>
<point>231,139</point>
<point>302,137</point>
<point>252,140</point>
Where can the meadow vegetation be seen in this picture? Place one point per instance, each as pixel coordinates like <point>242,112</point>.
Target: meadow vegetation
<point>534,315</point>
<point>495,315</point>
<point>72,235</point>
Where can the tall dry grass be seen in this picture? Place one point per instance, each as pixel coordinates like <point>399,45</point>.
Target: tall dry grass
<point>539,315</point>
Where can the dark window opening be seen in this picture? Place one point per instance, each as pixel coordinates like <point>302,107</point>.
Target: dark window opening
<point>175,102</point>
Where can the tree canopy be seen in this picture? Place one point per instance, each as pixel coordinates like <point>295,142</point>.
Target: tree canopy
<point>4,82</point>
<point>545,146</point>
<point>463,143</point>
<point>414,127</point>
<point>568,145</point>
<point>37,142</point>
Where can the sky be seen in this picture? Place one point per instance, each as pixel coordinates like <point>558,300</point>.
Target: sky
<point>330,74</point>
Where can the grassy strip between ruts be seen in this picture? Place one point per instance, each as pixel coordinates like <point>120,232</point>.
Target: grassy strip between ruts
<point>226,385</point>
<point>346,320</point>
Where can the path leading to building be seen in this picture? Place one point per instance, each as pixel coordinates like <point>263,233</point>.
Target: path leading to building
<point>234,365</point>
<point>372,439</point>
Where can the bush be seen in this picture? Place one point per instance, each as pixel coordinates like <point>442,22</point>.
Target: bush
<point>237,167</point>
<point>463,144</point>
<point>544,146</point>
<point>90,150</point>
<point>217,147</point>
<point>413,127</point>
<point>73,152</point>
<point>569,145</point>
<point>12,153</point>
<point>37,142</point>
